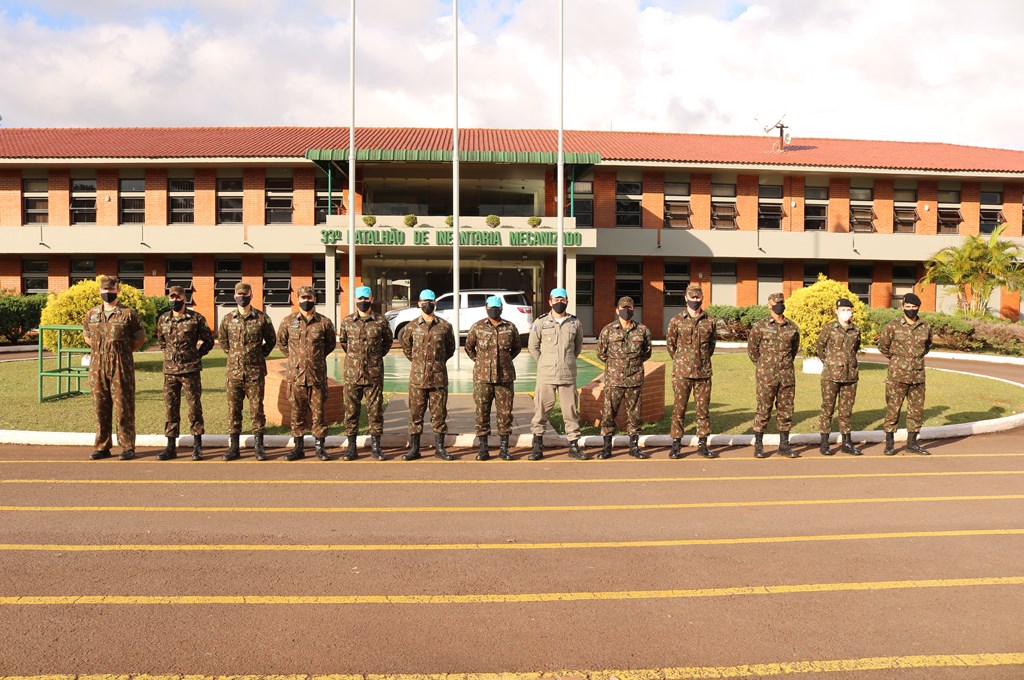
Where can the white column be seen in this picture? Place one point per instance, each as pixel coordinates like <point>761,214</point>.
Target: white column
<point>456,294</point>
<point>570,278</point>
<point>331,281</point>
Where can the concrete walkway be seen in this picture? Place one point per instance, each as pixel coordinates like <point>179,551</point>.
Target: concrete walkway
<point>461,415</point>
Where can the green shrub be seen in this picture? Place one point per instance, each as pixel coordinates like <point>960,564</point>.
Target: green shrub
<point>954,332</point>
<point>410,220</point>
<point>450,220</point>
<point>70,307</point>
<point>813,306</point>
<point>751,314</point>
<point>877,318</point>
<point>493,221</point>
<point>369,220</point>
<point>161,303</point>
<point>1002,337</point>
<point>19,314</point>
<point>534,221</point>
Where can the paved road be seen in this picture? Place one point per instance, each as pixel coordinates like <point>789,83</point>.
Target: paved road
<point>910,565</point>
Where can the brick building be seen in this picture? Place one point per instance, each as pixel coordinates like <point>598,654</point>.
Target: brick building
<point>646,214</point>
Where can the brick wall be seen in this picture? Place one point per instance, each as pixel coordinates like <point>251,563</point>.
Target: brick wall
<point>10,273</point>
<point>10,198</point>
<point>652,206</point>
<point>746,202</point>
<point>700,201</point>
<point>252,273</point>
<point>970,209</point>
<point>652,398</point>
<point>1012,209</point>
<point>304,197</point>
<point>884,203</point>
<point>1009,304</point>
<point>359,199</point>
<point>746,283</point>
<point>551,192</point>
<point>155,282</point>
<point>59,272</point>
<point>254,207</point>
<point>700,274</point>
<point>927,204</point>
<point>654,295</point>
<point>604,198</point>
<point>839,204</point>
<point>59,201</point>
<point>926,291</point>
<point>156,197</point>
<point>277,404</point>
<point>302,275</point>
<point>839,270</point>
<point>206,197</point>
<point>203,269</point>
<point>106,199</point>
<point>792,276</point>
<point>604,290</point>
<point>881,285</point>
<point>793,192</point>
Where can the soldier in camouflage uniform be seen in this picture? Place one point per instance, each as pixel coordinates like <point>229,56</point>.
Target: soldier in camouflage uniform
<point>772,346</point>
<point>691,340</point>
<point>114,332</point>
<point>306,337</point>
<point>623,345</point>
<point>365,337</point>
<point>428,342</point>
<point>837,348</point>
<point>247,336</point>
<point>185,339</point>
<point>904,342</point>
<point>493,343</point>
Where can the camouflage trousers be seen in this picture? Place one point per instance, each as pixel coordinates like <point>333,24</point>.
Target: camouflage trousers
<point>701,388</point>
<point>193,384</point>
<point>895,394</point>
<point>782,398</point>
<point>846,393</point>
<point>374,408</point>
<point>502,395</point>
<point>436,398</point>
<point>615,397</point>
<point>309,403</point>
<point>245,387</point>
<point>112,383</point>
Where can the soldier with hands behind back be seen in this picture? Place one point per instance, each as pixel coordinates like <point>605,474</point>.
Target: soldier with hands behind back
<point>365,337</point>
<point>837,348</point>
<point>623,345</point>
<point>691,340</point>
<point>493,343</point>
<point>904,342</point>
<point>772,346</point>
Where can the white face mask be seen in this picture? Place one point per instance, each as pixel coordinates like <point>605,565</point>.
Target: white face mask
<point>845,315</point>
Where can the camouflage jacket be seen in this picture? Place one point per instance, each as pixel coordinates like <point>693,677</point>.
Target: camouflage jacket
<point>365,342</point>
<point>247,341</point>
<point>492,349</point>
<point>837,348</point>
<point>555,347</point>
<point>307,343</point>
<point>691,343</point>
<point>773,347</point>
<point>428,346</point>
<point>113,336</point>
<point>904,345</point>
<point>624,351</point>
<point>185,340</point>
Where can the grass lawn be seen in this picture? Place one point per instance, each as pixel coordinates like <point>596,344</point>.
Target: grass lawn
<point>22,411</point>
<point>951,398</point>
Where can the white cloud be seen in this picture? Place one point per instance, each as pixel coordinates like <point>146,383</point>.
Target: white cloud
<point>872,69</point>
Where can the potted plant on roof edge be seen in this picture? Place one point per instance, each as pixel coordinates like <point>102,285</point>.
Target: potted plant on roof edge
<point>493,221</point>
<point>369,220</point>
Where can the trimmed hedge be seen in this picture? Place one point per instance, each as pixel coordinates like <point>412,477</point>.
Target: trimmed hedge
<point>19,314</point>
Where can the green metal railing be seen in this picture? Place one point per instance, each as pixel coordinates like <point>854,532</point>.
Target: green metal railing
<point>66,373</point>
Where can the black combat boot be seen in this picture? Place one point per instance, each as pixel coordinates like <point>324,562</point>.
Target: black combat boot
<point>538,447</point>
<point>170,451</point>
<point>261,452</point>
<point>299,450</point>
<point>439,450</point>
<point>848,446</point>
<point>375,450</point>
<point>759,445</point>
<point>823,447</point>
<point>197,447</point>
<point>481,450</point>
<point>99,453</point>
<point>784,448</point>
<point>703,450</point>
<point>351,454</point>
<point>414,448</point>
<point>128,454</point>
<point>677,448</point>
<point>232,453</point>
<point>320,447</point>
<point>890,444</point>
<point>606,450</point>
<point>575,452</point>
<point>634,447</point>
<point>914,447</point>
<point>503,451</point>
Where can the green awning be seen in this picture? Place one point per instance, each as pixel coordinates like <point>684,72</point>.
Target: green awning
<point>440,156</point>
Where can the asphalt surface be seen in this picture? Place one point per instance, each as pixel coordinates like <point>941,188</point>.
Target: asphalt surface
<point>429,567</point>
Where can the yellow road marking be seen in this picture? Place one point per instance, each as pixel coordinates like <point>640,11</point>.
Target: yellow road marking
<point>753,670</point>
<point>591,362</point>
<point>378,547</point>
<point>506,598</point>
<point>485,482</point>
<point>499,508</point>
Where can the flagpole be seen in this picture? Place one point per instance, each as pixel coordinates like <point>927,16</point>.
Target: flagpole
<point>560,253</point>
<point>352,161</point>
<point>456,294</point>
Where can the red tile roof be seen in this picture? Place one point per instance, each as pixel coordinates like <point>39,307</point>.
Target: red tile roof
<point>292,142</point>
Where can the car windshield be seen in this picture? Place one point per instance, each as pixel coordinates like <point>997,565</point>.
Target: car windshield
<point>444,303</point>
<point>517,299</point>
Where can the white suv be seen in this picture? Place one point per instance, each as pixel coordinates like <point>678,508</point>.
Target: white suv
<point>473,308</point>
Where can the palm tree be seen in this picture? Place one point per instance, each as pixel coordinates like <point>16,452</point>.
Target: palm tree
<point>976,268</point>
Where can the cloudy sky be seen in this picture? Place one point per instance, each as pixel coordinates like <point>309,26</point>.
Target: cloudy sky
<point>941,70</point>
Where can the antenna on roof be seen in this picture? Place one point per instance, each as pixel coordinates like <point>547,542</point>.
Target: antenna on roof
<point>784,137</point>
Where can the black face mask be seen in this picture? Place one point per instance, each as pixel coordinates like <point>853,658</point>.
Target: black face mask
<point>108,297</point>
<point>243,300</point>
<point>626,314</point>
<point>363,305</point>
<point>494,312</point>
<point>307,305</point>
<point>428,308</point>
<point>779,308</point>
<point>560,307</point>
<point>693,304</point>
<point>177,305</point>
<point>911,313</point>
